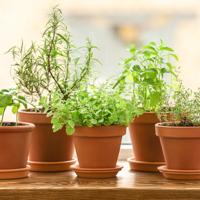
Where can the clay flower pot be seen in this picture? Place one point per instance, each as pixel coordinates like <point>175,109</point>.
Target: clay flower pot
<point>49,151</point>
<point>146,146</point>
<point>181,148</point>
<point>14,149</point>
<point>97,150</point>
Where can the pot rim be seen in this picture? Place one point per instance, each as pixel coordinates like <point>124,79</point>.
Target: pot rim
<point>147,113</point>
<point>22,127</point>
<point>26,111</point>
<point>151,112</point>
<point>145,118</point>
<point>177,131</point>
<point>97,131</point>
<point>160,125</point>
<point>34,117</point>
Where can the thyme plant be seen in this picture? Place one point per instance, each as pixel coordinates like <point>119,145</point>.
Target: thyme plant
<point>148,74</point>
<point>184,108</point>
<point>53,64</point>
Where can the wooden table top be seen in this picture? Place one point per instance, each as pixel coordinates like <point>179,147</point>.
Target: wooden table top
<point>128,185</point>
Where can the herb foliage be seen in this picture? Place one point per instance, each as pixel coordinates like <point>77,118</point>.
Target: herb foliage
<point>10,98</point>
<point>184,108</point>
<point>149,74</point>
<point>91,106</point>
<point>52,64</point>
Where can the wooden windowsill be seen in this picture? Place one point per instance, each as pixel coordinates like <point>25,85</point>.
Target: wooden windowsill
<point>127,186</point>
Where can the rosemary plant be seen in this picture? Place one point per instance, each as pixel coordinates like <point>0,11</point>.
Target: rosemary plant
<point>54,64</point>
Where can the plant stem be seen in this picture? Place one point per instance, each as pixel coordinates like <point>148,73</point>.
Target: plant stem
<point>17,119</point>
<point>2,117</point>
<point>49,62</point>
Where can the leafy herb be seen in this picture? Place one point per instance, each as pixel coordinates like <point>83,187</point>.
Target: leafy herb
<point>10,98</point>
<point>53,64</point>
<point>184,108</point>
<point>149,74</point>
<point>91,106</point>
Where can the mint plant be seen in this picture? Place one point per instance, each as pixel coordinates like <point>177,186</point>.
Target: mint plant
<point>10,98</point>
<point>149,74</point>
<point>91,106</point>
<point>52,64</point>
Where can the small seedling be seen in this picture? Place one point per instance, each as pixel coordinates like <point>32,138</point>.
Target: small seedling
<point>10,98</point>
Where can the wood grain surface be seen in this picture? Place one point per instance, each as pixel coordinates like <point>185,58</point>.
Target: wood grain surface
<point>127,186</point>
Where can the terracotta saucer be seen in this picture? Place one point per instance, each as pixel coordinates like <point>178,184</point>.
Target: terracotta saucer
<point>179,174</point>
<point>144,166</point>
<point>14,173</point>
<point>51,166</point>
<point>96,172</point>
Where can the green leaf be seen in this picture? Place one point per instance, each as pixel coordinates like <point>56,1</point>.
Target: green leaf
<point>5,100</point>
<point>132,49</point>
<point>163,71</point>
<point>149,74</point>
<point>93,121</point>
<point>15,108</point>
<point>70,123</point>
<point>69,130</point>
<point>167,49</point>
<point>57,126</point>
<point>151,48</point>
<point>43,101</point>
<point>1,110</point>
<point>136,68</point>
<point>175,57</point>
<point>155,98</point>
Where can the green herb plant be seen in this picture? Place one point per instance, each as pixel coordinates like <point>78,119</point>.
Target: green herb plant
<point>184,108</point>
<point>91,106</point>
<point>149,74</point>
<point>10,98</point>
<point>52,64</point>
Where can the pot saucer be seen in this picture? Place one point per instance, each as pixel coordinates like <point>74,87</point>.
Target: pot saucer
<point>14,173</point>
<point>179,174</point>
<point>143,166</point>
<point>96,172</point>
<point>51,166</point>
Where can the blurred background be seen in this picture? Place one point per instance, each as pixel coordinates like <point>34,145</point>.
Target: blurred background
<point>112,25</point>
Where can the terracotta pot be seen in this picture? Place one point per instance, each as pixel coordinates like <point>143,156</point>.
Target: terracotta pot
<point>181,146</point>
<point>14,145</point>
<point>14,149</point>
<point>48,150</point>
<point>146,145</point>
<point>98,147</point>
